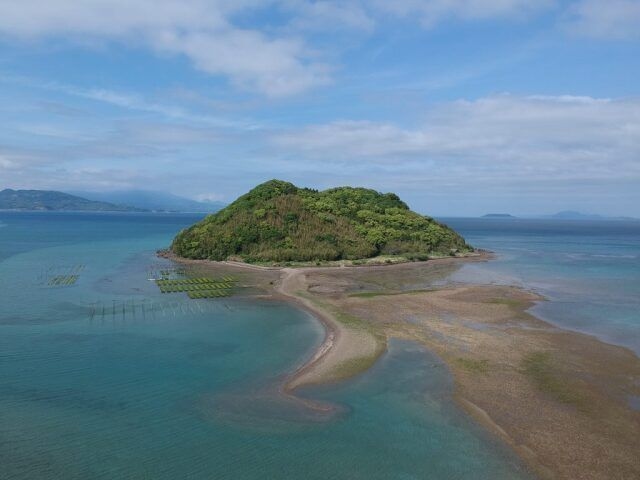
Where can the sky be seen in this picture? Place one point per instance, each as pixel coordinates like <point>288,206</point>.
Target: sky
<point>462,107</point>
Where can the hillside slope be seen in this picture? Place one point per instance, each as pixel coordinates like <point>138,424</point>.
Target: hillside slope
<point>277,221</point>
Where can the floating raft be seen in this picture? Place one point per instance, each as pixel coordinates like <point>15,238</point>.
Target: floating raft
<point>62,280</point>
<point>60,276</point>
<point>198,287</point>
<point>164,273</point>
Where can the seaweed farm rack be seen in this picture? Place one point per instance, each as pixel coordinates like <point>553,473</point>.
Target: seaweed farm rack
<point>198,287</point>
<point>60,276</point>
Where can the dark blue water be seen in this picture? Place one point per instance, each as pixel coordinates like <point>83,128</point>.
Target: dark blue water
<point>109,378</point>
<point>588,269</point>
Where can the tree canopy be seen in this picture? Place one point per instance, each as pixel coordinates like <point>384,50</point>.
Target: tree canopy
<point>277,221</point>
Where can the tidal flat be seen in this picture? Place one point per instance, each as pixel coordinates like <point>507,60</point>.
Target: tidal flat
<point>558,398</point>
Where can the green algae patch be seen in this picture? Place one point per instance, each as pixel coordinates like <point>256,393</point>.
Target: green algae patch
<point>354,366</point>
<point>371,294</point>
<point>383,293</point>
<point>541,368</point>
<point>473,365</point>
<point>509,302</point>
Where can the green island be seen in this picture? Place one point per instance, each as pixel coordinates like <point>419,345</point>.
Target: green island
<point>279,222</point>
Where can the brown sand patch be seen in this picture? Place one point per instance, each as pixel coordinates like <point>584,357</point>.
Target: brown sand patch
<point>558,398</point>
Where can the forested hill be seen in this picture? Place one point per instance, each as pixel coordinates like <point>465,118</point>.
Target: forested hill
<point>277,221</point>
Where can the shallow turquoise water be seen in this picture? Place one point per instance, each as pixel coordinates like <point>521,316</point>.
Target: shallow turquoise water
<point>588,269</point>
<point>111,379</point>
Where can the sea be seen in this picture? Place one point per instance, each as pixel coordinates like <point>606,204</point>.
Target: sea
<point>104,377</point>
<point>588,270</point>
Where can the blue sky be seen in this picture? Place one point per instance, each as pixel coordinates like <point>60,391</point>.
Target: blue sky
<point>460,106</point>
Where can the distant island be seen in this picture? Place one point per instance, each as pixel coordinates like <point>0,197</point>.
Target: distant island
<point>574,215</point>
<point>279,222</point>
<point>563,215</point>
<point>153,201</point>
<point>498,215</point>
<point>46,200</point>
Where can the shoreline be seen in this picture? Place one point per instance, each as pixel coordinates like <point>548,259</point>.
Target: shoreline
<point>552,395</point>
<point>329,323</point>
<point>287,290</point>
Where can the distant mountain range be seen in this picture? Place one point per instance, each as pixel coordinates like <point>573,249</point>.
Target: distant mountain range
<point>154,201</point>
<point>117,201</point>
<point>55,201</point>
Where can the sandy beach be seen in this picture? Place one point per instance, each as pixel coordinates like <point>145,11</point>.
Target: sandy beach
<point>560,399</point>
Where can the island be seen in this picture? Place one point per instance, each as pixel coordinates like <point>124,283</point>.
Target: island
<point>558,398</point>
<point>49,200</point>
<point>152,200</point>
<point>279,222</point>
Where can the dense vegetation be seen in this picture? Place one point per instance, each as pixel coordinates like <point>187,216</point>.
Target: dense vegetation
<point>277,222</point>
<point>51,200</point>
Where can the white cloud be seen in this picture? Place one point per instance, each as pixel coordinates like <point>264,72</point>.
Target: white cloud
<point>210,197</point>
<point>541,148</point>
<point>609,19</point>
<point>15,162</point>
<point>272,53</point>
<point>201,30</point>
<point>431,12</point>
<point>499,137</point>
<point>247,57</point>
<point>5,163</point>
<point>330,15</point>
<point>126,100</point>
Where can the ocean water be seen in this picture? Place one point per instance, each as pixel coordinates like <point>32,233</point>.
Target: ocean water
<point>589,270</point>
<point>108,378</point>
